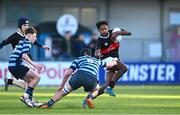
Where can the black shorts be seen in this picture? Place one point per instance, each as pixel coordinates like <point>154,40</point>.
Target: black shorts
<point>18,71</point>
<point>81,78</point>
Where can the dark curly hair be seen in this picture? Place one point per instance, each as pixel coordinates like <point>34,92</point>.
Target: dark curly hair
<point>98,24</point>
<point>85,51</point>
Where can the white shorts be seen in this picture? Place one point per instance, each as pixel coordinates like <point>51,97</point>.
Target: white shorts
<point>109,59</point>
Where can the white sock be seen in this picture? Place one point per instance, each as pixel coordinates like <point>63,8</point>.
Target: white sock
<point>26,95</point>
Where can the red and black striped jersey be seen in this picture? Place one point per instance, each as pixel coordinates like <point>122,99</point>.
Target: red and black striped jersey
<point>108,46</point>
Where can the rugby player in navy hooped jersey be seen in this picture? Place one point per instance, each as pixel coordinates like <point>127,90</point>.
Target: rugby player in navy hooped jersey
<point>20,71</point>
<point>23,24</point>
<point>108,49</point>
<point>86,75</point>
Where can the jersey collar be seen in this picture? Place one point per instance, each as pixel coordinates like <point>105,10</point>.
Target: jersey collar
<point>105,36</point>
<point>20,34</point>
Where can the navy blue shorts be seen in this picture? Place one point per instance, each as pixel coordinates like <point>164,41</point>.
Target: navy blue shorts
<point>18,71</point>
<point>81,78</point>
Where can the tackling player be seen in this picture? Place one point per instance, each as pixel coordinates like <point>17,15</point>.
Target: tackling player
<point>86,75</point>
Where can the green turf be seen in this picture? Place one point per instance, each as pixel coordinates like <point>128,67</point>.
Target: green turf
<point>129,100</point>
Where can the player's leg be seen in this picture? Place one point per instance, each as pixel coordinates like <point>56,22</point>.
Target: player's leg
<point>90,85</point>
<point>14,82</point>
<point>7,83</point>
<point>19,84</point>
<point>32,78</point>
<point>120,70</point>
<point>110,73</point>
<point>72,84</point>
<point>109,77</point>
<point>93,93</point>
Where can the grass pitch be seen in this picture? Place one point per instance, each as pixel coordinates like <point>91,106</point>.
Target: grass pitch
<point>129,100</point>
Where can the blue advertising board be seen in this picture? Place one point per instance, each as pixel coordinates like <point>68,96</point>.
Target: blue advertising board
<point>148,73</point>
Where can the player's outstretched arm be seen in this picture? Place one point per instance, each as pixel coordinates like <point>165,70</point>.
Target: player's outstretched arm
<point>117,31</point>
<point>45,47</point>
<point>36,43</point>
<point>4,43</point>
<point>40,45</point>
<point>123,33</point>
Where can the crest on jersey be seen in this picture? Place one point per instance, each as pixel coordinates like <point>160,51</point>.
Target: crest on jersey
<point>106,44</point>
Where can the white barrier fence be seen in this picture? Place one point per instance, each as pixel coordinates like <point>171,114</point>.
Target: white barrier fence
<point>51,74</point>
<point>138,73</point>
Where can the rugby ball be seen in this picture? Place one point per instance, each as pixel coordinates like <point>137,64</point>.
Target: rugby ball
<point>119,37</point>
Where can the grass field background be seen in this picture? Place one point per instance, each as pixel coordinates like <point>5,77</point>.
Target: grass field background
<point>129,100</point>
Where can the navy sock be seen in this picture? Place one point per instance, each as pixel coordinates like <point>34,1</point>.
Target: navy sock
<point>29,91</point>
<point>111,84</point>
<point>50,102</point>
<point>90,96</point>
<point>10,81</point>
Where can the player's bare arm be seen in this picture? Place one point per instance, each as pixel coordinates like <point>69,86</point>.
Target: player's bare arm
<point>45,47</point>
<point>98,53</point>
<point>122,32</point>
<point>68,73</point>
<point>26,57</point>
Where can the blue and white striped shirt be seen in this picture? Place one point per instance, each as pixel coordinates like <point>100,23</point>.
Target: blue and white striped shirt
<point>88,64</point>
<point>15,58</point>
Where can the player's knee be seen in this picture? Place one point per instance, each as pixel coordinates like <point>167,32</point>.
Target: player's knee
<point>38,77</point>
<point>124,69</point>
<point>121,67</point>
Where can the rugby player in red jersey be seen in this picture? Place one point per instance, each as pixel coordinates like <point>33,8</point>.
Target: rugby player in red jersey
<point>108,50</point>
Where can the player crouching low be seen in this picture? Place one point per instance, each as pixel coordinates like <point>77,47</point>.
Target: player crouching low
<point>86,75</point>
